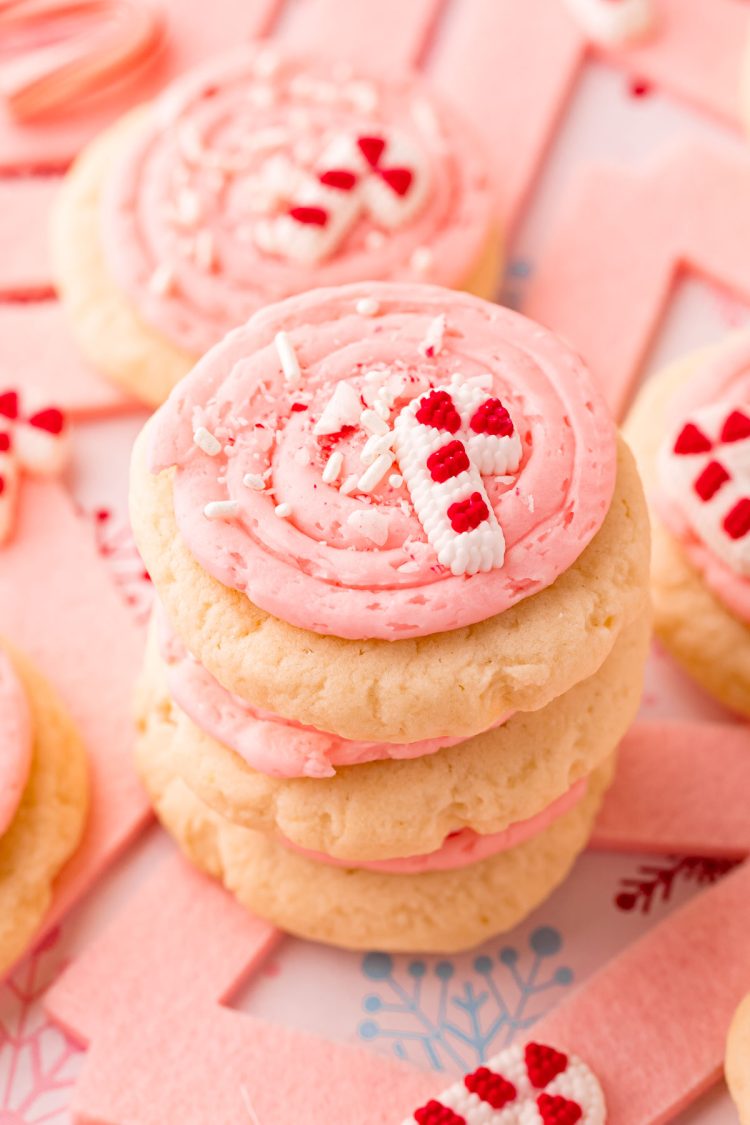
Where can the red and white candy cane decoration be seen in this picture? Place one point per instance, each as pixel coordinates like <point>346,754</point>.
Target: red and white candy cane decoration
<point>705,471</point>
<point>446,440</point>
<point>614,21</point>
<point>34,443</point>
<point>383,177</point>
<point>531,1085</point>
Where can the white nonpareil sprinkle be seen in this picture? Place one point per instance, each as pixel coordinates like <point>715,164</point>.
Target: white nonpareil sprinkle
<point>349,485</point>
<point>373,525</point>
<point>283,511</point>
<point>421,259</point>
<point>254,481</point>
<point>432,345</point>
<point>333,467</point>
<point>206,441</point>
<point>373,422</point>
<point>221,509</point>
<point>375,445</point>
<point>368,306</point>
<point>372,477</point>
<point>288,359</point>
<point>342,409</point>
<point>161,282</point>
<point>395,480</point>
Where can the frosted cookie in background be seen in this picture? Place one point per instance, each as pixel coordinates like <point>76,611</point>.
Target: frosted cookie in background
<point>253,178</point>
<point>690,431</point>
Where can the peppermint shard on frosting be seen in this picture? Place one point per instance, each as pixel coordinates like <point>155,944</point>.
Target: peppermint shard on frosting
<point>704,471</point>
<point>446,441</point>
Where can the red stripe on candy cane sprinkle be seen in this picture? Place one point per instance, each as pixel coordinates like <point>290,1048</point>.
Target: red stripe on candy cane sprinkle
<point>35,444</point>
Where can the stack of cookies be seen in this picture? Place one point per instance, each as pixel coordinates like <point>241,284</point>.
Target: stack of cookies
<point>401,560</point>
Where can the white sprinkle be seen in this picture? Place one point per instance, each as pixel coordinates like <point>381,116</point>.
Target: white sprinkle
<point>206,441</point>
<point>373,525</point>
<point>204,250</point>
<point>161,282</point>
<point>188,207</point>
<point>221,509</point>
<point>368,306</point>
<point>421,259</point>
<point>342,409</point>
<point>373,422</point>
<point>530,502</point>
<point>254,481</point>
<point>395,480</point>
<point>408,567</point>
<point>432,345</point>
<point>333,467</point>
<point>375,445</point>
<point>288,359</point>
<point>283,511</point>
<point>349,485</point>
<point>372,477</point>
<point>382,405</point>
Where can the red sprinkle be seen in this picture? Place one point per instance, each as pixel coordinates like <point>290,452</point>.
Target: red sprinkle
<point>437,410</point>
<point>711,479</point>
<point>448,461</point>
<point>4,443</point>
<point>543,1064</point>
<point>338,178</point>
<point>465,515</point>
<point>311,216</point>
<point>50,420</point>
<point>490,1087</point>
<point>558,1110</point>
<point>298,407</point>
<point>9,404</point>
<point>2,485</point>
<point>492,418</point>
<point>399,179</point>
<point>736,427</point>
<point>737,522</point>
<point>691,440</point>
<point>436,1114</point>
<point>371,148</point>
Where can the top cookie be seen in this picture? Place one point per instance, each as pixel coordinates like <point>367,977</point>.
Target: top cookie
<point>387,461</point>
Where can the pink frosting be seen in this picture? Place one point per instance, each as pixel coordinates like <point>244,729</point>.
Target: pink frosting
<point>464,847</point>
<point>16,742</point>
<point>316,567</point>
<point>186,208</point>
<point>725,376</point>
<point>269,743</point>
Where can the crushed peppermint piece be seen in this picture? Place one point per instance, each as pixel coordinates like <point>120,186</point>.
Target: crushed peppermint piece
<point>373,422</point>
<point>333,467</point>
<point>221,509</point>
<point>349,485</point>
<point>395,480</point>
<point>372,476</point>
<point>162,280</point>
<point>371,524</point>
<point>283,511</point>
<point>254,481</point>
<point>368,306</point>
<point>432,345</point>
<point>421,259</point>
<point>342,409</point>
<point>288,359</point>
<point>206,441</point>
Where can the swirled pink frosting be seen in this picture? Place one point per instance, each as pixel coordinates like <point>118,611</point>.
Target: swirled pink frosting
<point>464,847</point>
<point>269,743</point>
<point>726,375</point>
<point>16,741</point>
<point>303,549</point>
<point>190,212</point>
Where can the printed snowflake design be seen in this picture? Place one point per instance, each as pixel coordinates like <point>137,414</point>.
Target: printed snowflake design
<point>38,1062</point>
<point>116,545</point>
<point>455,1018</point>
<point>655,882</point>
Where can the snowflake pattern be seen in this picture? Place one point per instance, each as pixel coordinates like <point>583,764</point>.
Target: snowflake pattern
<point>455,1016</point>
<point>38,1062</point>
<point>655,882</point>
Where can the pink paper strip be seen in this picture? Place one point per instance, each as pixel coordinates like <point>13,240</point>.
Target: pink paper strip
<point>36,349</point>
<point>146,997</point>
<point>611,260</point>
<point>652,1023</point>
<point>379,33</point>
<point>680,788</point>
<point>24,235</point>
<point>59,605</point>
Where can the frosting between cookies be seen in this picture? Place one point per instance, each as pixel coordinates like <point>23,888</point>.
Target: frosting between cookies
<point>348,556</point>
<point>259,176</point>
<point>704,475</point>
<point>268,743</point>
<point>465,847</point>
<point>16,741</point>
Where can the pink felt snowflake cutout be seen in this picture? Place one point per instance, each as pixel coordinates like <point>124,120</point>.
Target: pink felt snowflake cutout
<point>38,1062</point>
